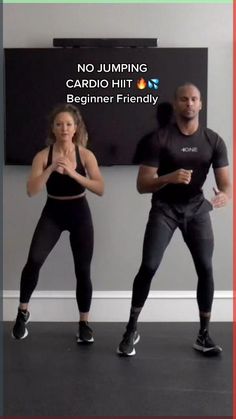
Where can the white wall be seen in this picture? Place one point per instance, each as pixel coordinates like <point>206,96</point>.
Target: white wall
<point>120,216</point>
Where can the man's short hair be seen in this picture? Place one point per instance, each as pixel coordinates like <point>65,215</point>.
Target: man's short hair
<point>184,85</point>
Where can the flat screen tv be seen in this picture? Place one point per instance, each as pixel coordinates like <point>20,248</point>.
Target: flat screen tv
<point>118,90</point>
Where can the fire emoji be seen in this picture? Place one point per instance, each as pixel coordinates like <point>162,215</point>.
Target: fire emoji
<point>141,84</point>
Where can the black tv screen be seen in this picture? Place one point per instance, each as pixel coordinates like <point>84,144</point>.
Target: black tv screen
<point>118,91</point>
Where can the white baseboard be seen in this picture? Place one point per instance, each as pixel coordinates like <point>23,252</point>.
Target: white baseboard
<point>114,306</point>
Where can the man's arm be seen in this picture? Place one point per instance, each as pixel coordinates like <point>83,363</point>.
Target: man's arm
<point>148,180</point>
<point>224,193</point>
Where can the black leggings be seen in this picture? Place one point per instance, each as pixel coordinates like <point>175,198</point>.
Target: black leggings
<point>57,216</point>
<point>198,235</point>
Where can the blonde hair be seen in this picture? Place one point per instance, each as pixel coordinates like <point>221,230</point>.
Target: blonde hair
<point>81,135</point>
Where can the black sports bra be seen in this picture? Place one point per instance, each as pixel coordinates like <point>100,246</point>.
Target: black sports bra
<point>63,185</point>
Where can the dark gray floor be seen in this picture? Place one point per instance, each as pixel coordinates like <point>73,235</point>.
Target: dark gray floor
<point>48,374</point>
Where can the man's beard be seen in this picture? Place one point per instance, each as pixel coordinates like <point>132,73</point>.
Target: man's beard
<point>188,118</point>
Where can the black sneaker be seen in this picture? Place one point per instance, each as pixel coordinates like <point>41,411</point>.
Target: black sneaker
<point>19,330</point>
<point>206,345</point>
<point>126,346</point>
<point>85,333</point>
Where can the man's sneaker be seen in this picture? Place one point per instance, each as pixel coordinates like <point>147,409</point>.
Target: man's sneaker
<point>19,330</point>
<point>126,346</point>
<point>206,345</point>
<point>85,333</point>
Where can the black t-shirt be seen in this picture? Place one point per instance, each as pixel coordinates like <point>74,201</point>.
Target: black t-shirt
<point>170,150</point>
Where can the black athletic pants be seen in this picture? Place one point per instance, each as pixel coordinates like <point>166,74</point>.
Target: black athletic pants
<point>57,216</point>
<point>198,235</point>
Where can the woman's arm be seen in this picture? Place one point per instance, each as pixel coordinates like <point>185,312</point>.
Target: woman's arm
<point>39,175</point>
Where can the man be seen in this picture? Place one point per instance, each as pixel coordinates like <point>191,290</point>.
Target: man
<point>174,171</point>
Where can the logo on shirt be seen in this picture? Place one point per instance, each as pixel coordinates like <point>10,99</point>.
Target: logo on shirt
<point>189,149</point>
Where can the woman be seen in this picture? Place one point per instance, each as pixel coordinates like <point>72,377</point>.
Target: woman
<point>67,169</point>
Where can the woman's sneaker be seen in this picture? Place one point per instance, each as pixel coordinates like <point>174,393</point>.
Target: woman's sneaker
<point>85,333</point>
<point>206,345</point>
<point>19,330</point>
<point>126,346</point>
